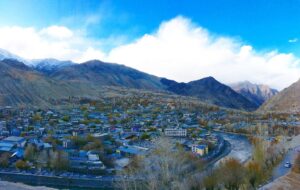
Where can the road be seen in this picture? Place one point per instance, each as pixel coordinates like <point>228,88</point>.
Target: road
<point>280,170</point>
<point>294,147</point>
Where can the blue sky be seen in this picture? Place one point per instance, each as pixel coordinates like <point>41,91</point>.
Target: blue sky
<point>262,23</point>
<point>231,40</point>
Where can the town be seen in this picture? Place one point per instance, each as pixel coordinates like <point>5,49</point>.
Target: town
<point>96,138</point>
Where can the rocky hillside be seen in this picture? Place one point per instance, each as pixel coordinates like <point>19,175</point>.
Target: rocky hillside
<point>256,93</point>
<point>288,100</point>
<point>21,84</point>
<point>98,73</point>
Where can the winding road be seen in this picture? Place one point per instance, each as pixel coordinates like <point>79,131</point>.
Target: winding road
<point>280,170</point>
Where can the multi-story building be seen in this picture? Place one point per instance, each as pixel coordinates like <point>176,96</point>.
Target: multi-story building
<point>175,132</point>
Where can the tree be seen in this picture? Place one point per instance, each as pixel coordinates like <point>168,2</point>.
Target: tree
<point>79,141</point>
<point>296,167</point>
<point>4,160</point>
<point>145,136</point>
<point>254,174</point>
<point>54,142</point>
<point>235,174</point>
<point>194,135</point>
<point>66,118</point>
<point>37,117</point>
<point>30,153</point>
<point>94,145</point>
<point>42,159</point>
<point>210,181</point>
<point>163,168</point>
<point>90,138</point>
<point>259,151</point>
<point>22,165</point>
<point>59,161</point>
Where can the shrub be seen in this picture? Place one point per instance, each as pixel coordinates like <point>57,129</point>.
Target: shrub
<point>296,167</point>
<point>4,160</point>
<point>22,165</point>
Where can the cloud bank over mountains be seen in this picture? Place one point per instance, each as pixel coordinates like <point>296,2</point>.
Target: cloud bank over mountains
<point>179,49</point>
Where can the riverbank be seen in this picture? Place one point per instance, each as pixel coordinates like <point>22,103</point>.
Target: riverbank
<point>19,186</point>
<point>57,181</point>
<point>226,149</point>
<point>241,148</point>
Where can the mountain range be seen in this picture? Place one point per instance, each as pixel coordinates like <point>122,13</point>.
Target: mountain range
<point>37,81</point>
<point>21,84</point>
<point>256,93</point>
<point>49,65</point>
<point>287,100</point>
<point>212,91</point>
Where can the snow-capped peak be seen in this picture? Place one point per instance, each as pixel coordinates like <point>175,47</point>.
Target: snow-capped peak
<point>4,54</point>
<point>39,64</point>
<point>49,64</point>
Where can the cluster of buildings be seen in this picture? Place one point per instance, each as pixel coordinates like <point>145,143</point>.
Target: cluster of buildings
<point>105,136</point>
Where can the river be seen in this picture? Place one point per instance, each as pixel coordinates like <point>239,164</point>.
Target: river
<point>241,147</point>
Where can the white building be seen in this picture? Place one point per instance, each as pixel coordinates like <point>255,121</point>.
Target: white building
<point>175,132</point>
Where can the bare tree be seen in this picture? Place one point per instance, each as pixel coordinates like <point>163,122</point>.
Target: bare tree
<point>4,160</point>
<point>234,174</point>
<point>164,168</point>
<point>30,153</point>
<point>59,160</point>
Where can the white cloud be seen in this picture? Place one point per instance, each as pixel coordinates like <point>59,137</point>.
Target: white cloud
<point>59,32</point>
<point>294,40</point>
<point>90,54</point>
<point>52,42</point>
<point>183,51</point>
<point>178,50</point>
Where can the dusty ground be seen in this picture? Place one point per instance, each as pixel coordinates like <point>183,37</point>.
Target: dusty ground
<point>4,185</point>
<point>293,143</point>
<point>290,181</point>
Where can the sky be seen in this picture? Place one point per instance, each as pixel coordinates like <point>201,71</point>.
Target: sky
<point>231,40</point>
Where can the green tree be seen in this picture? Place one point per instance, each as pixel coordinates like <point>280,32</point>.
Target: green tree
<point>145,136</point>
<point>66,118</point>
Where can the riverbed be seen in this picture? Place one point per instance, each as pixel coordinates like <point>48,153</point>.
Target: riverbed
<point>241,148</point>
